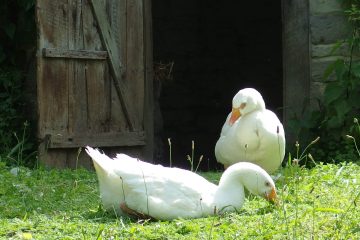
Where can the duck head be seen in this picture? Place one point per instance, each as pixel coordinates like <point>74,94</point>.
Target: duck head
<point>253,178</point>
<point>263,186</point>
<point>245,101</point>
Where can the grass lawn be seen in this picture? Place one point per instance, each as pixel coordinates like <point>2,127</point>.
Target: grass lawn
<point>318,203</point>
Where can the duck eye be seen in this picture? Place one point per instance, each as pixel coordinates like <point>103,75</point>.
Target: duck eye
<point>267,184</point>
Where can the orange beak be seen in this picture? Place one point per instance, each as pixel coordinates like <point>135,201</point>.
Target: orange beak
<point>272,196</point>
<point>235,114</point>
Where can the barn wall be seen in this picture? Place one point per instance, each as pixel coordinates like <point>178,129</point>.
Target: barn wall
<point>328,25</point>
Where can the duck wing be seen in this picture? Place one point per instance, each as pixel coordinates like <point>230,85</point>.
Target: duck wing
<point>257,137</point>
<point>165,193</point>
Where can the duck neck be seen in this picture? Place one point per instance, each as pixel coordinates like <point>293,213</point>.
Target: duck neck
<point>230,193</point>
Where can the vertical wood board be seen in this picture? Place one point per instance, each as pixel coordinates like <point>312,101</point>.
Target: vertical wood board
<point>135,77</point>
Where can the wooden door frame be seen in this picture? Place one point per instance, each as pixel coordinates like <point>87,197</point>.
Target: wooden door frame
<point>149,75</point>
<point>296,60</point>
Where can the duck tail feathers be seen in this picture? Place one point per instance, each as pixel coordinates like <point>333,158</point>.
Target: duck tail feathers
<point>102,162</point>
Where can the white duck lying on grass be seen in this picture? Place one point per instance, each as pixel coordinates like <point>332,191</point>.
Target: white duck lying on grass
<point>133,187</point>
<point>251,133</point>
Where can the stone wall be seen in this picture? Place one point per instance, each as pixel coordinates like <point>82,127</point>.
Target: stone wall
<point>328,26</point>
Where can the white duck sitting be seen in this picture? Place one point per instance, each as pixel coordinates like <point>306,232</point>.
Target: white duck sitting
<point>134,187</point>
<point>251,133</point>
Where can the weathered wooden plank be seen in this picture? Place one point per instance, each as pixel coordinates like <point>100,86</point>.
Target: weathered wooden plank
<point>52,82</point>
<point>98,81</point>
<point>135,72</point>
<point>114,58</point>
<point>107,35</point>
<point>149,98</point>
<point>296,57</point>
<point>118,18</point>
<point>76,73</point>
<point>77,54</point>
<point>52,86</point>
<point>97,140</point>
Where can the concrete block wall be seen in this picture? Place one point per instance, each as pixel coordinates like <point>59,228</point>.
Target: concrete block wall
<point>328,25</point>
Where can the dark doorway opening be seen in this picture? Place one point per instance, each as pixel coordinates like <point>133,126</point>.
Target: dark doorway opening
<point>217,48</point>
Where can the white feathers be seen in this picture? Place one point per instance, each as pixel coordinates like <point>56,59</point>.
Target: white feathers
<point>251,133</point>
<point>168,193</point>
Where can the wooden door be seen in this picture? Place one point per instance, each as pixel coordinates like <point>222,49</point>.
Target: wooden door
<point>94,81</point>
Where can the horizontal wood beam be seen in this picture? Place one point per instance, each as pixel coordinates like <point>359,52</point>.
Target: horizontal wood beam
<point>79,54</point>
<point>97,140</point>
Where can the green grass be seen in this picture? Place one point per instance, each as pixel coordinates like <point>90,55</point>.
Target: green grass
<point>318,203</point>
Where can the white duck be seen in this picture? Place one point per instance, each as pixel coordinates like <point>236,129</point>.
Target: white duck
<point>134,187</point>
<point>251,133</point>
